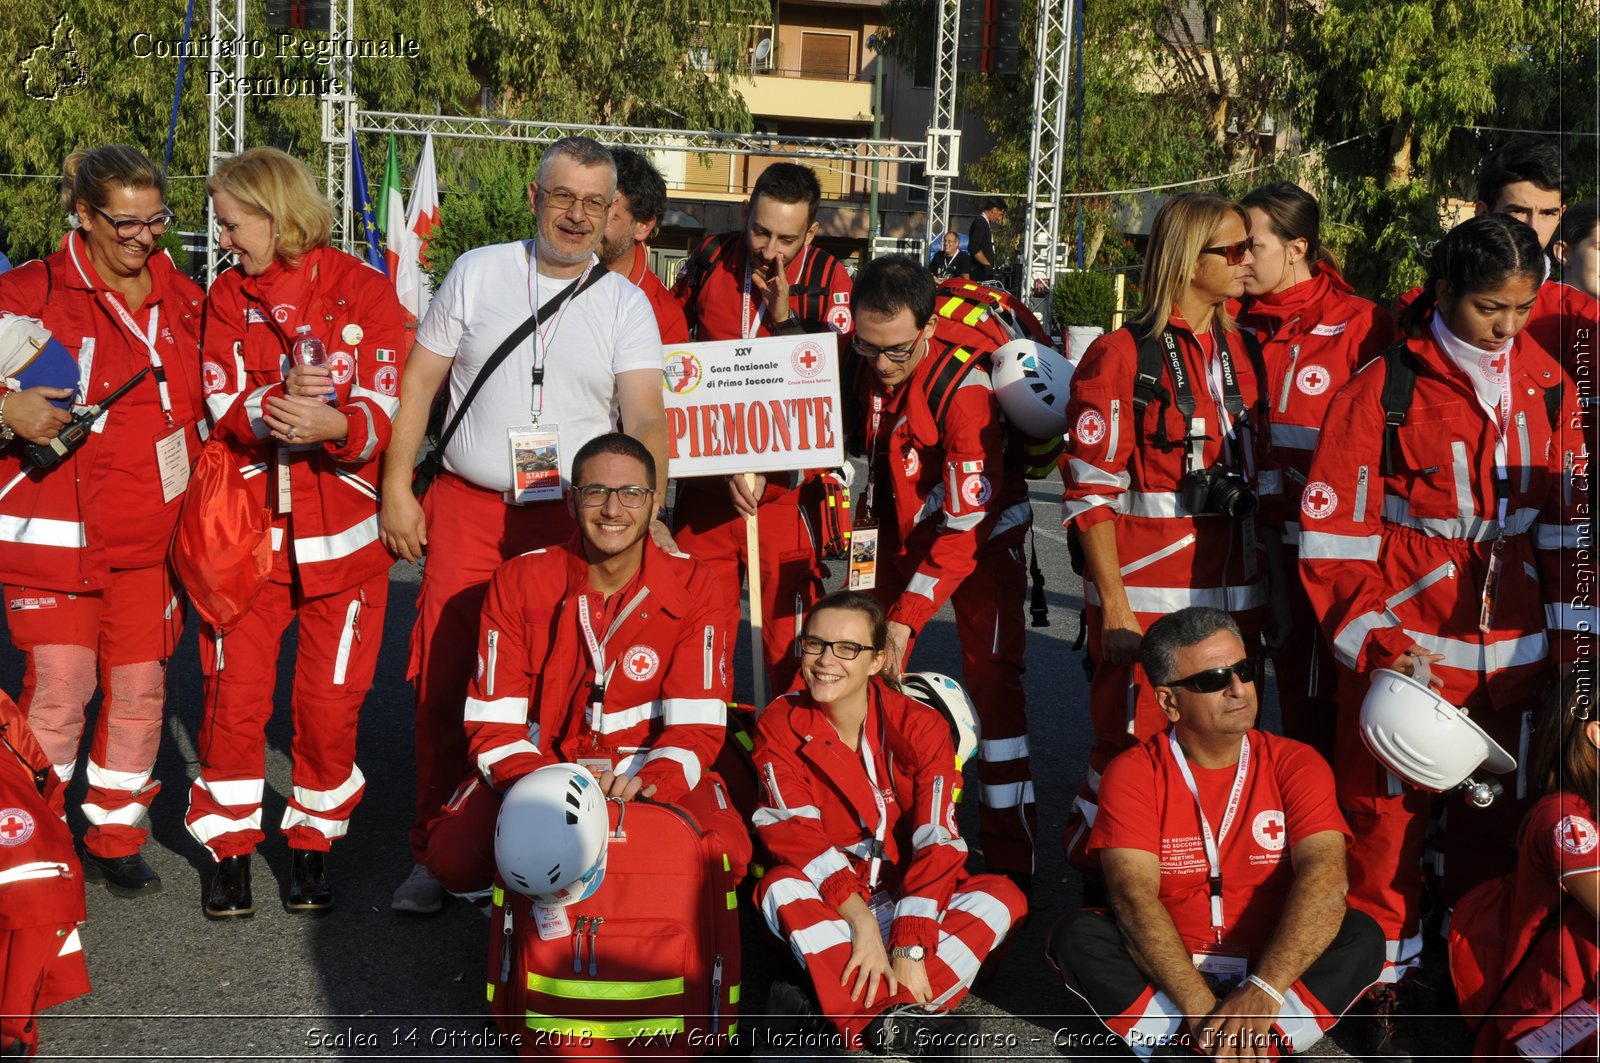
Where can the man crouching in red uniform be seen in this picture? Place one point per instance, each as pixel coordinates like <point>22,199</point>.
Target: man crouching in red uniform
<point>41,889</point>
<point>608,653</point>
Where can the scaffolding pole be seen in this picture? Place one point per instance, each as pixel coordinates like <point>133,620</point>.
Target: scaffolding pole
<point>225,129</point>
<point>1041,238</point>
<point>944,138</point>
<point>338,117</point>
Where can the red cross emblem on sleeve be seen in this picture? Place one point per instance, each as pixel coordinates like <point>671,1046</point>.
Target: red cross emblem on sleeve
<point>1269,830</point>
<point>16,826</point>
<point>1577,835</point>
<point>1319,499</point>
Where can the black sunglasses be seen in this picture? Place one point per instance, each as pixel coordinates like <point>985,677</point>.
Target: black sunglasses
<point>1212,680</point>
<point>1234,253</point>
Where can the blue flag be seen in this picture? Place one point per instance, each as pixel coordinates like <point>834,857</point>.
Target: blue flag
<point>369,223</point>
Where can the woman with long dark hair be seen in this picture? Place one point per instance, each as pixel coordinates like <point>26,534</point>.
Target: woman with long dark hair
<point>1315,332</point>
<point>1432,543</point>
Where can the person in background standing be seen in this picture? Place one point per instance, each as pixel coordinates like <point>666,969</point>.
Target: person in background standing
<point>980,239</point>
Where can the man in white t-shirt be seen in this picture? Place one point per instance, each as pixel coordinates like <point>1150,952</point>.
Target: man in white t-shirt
<point>591,366</point>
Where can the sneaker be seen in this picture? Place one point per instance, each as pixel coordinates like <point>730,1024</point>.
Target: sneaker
<point>909,1030</point>
<point>1393,1037</point>
<point>790,1011</point>
<point>419,894</point>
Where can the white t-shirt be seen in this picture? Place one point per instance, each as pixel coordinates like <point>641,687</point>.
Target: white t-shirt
<point>609,329</point>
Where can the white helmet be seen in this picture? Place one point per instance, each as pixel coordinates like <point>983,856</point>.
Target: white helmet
<point>550,840</point>
<point>946,695</point>
<point>1031,381</point>
<point>1422,738</point>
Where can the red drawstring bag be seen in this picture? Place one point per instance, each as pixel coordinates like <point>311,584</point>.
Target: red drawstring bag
<point>223,547</point>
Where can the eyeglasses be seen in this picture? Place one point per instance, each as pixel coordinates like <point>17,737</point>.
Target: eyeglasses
<point>1213,680</point>
<point>562,200</point>
<point>127,228</point>
<point>843,649</point>
<point>593,496</point>
<point>1234,253</point>
<point>898,355</point>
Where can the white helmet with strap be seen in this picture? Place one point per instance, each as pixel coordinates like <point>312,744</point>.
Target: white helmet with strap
<point>1031,383</point>
<point>1423,738</point>
<point>550,840</point>
<point>944,694</point>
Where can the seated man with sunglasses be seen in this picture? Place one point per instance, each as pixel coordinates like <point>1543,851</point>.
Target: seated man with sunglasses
<point>1224,857</point>
<point>606,652</point>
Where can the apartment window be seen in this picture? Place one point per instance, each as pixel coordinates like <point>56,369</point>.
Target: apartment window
<point>916,185</point>
<point>1188,25</point>
<point>825,55</point>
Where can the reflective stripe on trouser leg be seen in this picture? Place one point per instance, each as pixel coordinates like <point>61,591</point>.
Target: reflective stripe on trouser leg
<point>989,622</point>
<point>225,816</point>
<point>1095,965</point>
<point>127,737</point>
<point>980,914</point>
<point>339,638</point>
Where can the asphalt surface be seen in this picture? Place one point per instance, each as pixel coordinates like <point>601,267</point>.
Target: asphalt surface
<point>363,982</point>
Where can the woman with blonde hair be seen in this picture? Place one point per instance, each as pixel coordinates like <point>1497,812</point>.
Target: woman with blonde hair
<point>83,544</point>
<point>1160,472</point>
<point>307,432</point>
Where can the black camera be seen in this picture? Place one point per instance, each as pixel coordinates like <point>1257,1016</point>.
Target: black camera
<point>1217,490</point>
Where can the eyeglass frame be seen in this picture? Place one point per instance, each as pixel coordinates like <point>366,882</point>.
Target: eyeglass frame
<point>593,206</point>
<point>897,355</point>
<point>1244,669</point>
<point>1234,253</point>
<point>584,493</point>
<point>166,219</point>
<point>833,647</point>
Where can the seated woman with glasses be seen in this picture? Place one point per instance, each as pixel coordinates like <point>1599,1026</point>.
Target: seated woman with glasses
<point>871,892</point>
<point>83,546</point>
<point>307,427</point>
<point>1160,473</point>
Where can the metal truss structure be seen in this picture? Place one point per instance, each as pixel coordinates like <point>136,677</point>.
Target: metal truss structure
<point>1041,237</point>
<point>338,118</point>
<point>225,130</point>
<point>944,137</point>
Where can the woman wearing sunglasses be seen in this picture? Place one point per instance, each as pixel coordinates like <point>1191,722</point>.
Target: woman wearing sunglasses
<point>83,545</point>
<point>1314,332</point>
<point>308,435</point>
<point>1160,476</point>
<point>1437,536</point>
<point>858,811</point>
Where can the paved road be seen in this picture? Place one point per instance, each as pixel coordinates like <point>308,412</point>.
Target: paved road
<point>365,982</point>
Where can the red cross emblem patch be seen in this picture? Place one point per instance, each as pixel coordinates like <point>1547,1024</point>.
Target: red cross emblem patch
<point>1577,835</point>
<point>213,378</point>
<point>1313,380</point>
<point>1270,831</point>
<point>16,826</point>
<point>640,662</point>
<point>1319,500</point>
<point>1091,427</point>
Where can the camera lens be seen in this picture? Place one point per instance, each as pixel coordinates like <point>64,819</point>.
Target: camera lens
<point>1231,496</point>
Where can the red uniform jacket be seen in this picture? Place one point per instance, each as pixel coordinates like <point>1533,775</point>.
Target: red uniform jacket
<point>1111,470</point>
<point>942,493</point>
<point>1314,337</point>
<point>53,526</point>
<point>1389,561</point>
<point>352,308</point>
<point>662,718</point>
<point>669,315</point>
<point>41,882</point>
<point>819,814</point>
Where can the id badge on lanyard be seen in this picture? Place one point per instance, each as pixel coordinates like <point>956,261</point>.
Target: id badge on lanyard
<point>535,463</point>
<point>864,535</point>
<point>1502,487</point>
<point>1214,842</point>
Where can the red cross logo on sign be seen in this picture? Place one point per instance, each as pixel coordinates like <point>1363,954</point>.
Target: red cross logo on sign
<point>1577,835</point>
<point>1269,830</point>
<point>16,826</point>
<point>807,360</point>
<point>1319,500</point>
<point>641,662</point>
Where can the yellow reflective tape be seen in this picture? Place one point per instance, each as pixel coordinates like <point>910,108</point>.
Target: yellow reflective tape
<point>733,1030</point>
<point>962,355</point>
<point>725,865</point>
<point>499,896</point>
<point>978,314</point>
<point>758,871</point>
<point>745,740</point>
<point>491,992</point>
<point>582,989</point>
<point>733,997</point>
<point>733,900</point>
<point>951,306</point>
<point>608,1031</point>
<point>955,796</point>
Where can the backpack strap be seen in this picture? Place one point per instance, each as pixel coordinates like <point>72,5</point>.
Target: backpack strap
<point>814,288</point>
<point>695,271</point>
<point>1399,385</point>
<point>1552,405</point>
<point>1148,384</point>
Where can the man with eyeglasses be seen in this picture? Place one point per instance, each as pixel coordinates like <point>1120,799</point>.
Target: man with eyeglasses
<point>948,500</point>
<point>1224,856</point>
<point>768,279</point>
<point>599,351</point>
<point>606,652</point>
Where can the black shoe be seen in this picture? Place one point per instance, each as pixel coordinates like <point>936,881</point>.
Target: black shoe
<point>907,1030</point>
<point>791,1012</point>
<point>308,881</point>
<point>1392,1037</point>
<point>229,897</point>
<point>126,876</point>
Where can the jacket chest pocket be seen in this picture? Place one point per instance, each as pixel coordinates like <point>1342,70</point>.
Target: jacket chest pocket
<point>536,631</point>
<point>1439,464</point>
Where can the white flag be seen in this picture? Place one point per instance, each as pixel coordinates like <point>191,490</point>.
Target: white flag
<point>411,284</point>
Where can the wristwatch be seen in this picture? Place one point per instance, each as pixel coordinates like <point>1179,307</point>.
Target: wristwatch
<point>915,953</point>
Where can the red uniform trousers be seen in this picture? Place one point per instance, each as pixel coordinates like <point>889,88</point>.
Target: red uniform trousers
<point>339,636</point>
<point>710,530</point>
<point>1307,673</point>
<point>988,608</point>
<point>40,967</point>
<point>461,839</point>
<point>1390,823</point>
<point>471,532</point>
<point>124,634</point>
<point>979,915</point>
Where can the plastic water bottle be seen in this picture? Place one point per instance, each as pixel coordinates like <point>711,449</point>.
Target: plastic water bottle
<point>307,350</point>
